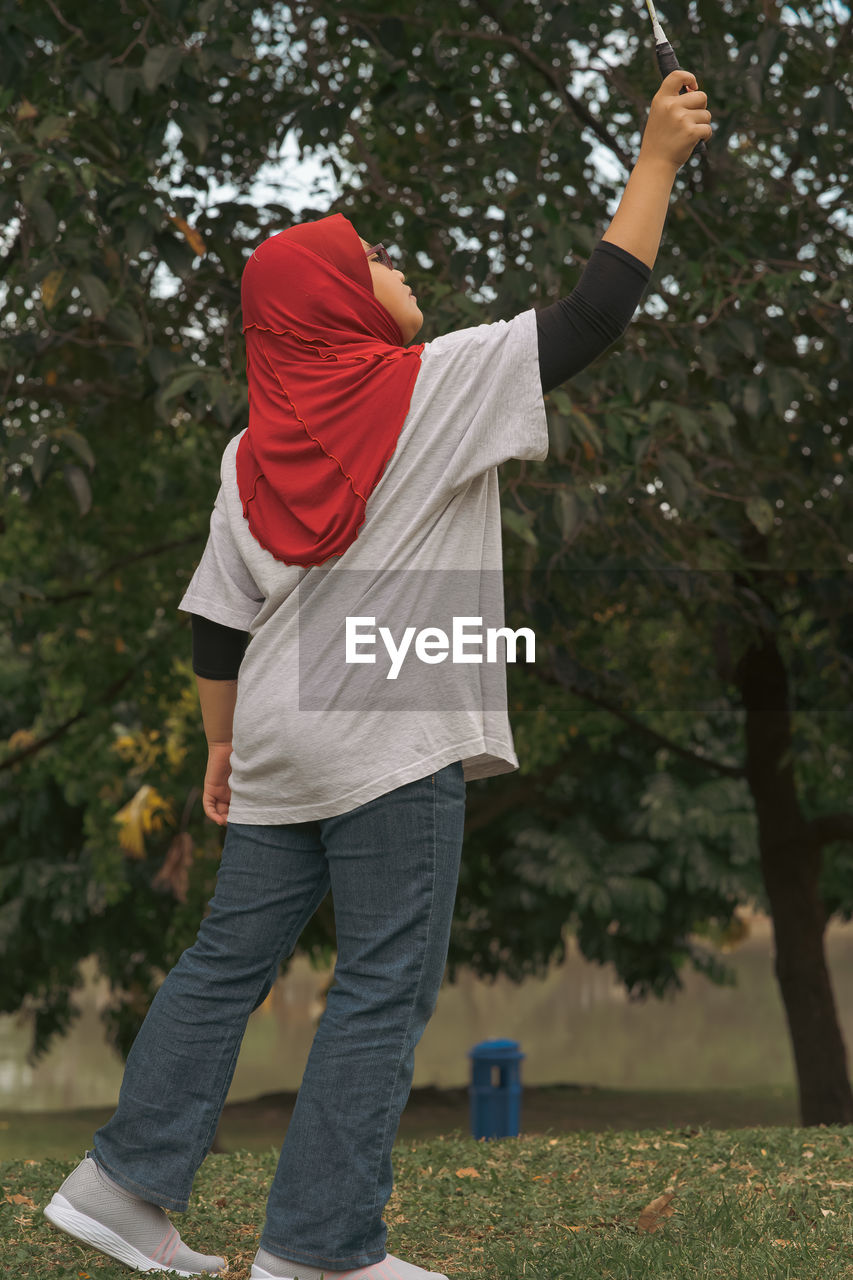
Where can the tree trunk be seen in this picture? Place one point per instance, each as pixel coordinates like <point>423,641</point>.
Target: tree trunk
<point>790,864</point>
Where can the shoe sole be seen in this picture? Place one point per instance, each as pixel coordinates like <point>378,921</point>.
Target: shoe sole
<point>63,1215</point>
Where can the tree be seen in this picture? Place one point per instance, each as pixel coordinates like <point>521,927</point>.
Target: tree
<point>682,552</point>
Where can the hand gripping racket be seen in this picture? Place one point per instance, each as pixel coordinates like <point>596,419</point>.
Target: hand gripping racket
<point>667,62</point>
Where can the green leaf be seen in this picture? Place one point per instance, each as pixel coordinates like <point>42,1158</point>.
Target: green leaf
<point>181,382</point>
<point>35,182</point>
<point>78,483</point>
<point>568,513</point>
<point>561,400</point>
<point>783,389</point>
<point>51,128</point>
<point>688,421</point>
<point>125,323</point>
<point>97,294</point>
<point>137,236</point>
<point>752,398</point>
<point>78,443</point>
<point>519,525</point>
<point>41,457</point>
<point>760,512</point>
<point>194,129</point>
<point>160,65</point>
<point>584,428</point>
<point>743,337</point>
<point>44,218</point>
<point>559,436</point>
<point>120,83</point>
<point>677,474</point>
<point>725,420</point>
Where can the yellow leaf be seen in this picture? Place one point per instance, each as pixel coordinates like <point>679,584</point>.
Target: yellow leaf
<point>21,738</point>
<point>49,289</point>
<point>142,813</point>
<point>26,111</point>
<point>193,238</point>
<point>467,1173</point>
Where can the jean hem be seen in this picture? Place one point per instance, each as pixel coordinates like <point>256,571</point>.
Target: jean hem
<point>136,1188</point>
<point>318,1260</point>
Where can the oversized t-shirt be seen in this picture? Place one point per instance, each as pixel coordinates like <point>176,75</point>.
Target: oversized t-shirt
<point>320,729</point>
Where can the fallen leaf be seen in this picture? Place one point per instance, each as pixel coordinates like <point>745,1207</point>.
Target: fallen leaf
<point>18,1199</point>
<point>467,1173</point>
<point>654,1213</point>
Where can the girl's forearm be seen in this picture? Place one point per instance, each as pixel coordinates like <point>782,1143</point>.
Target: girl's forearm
<point>638,223</point>
<point>218,699</point>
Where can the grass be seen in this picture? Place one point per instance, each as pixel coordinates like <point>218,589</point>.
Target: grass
<point>251,1125</point>
<point>768,1203</point>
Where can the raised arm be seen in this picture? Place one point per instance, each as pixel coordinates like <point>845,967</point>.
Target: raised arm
<point>577,329</point>
<point>676,123</point>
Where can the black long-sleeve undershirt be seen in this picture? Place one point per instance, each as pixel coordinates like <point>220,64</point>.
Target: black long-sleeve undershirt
<point>576,330</point>
<point>572,333</point>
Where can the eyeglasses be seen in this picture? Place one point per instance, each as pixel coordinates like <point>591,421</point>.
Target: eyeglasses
<point>382,254</point>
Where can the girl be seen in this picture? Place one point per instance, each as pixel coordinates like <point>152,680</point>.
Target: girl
<point>366,478</point>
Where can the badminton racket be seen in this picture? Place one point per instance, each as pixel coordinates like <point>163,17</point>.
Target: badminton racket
<point>667,62</point>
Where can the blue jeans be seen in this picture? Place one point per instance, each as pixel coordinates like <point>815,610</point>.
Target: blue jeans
<point>393,867</point>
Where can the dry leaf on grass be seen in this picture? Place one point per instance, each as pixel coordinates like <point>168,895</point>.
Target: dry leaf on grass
<point>653,1214</point>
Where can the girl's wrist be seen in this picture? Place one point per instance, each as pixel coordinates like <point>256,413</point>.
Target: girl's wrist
<point>653,163</point>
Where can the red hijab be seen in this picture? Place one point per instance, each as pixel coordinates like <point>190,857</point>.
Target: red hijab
<point>329,388</point>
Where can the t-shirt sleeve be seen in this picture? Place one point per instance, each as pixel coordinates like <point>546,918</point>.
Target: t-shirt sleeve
<point>485,397</point>
<point>222,588</point>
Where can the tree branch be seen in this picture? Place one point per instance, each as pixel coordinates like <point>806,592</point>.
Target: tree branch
<point>121,564</point>
<point>830,827</point>
<point>64,23</point>
<point>563,671</point>
<point>105,698</point>
<point>551,74</point>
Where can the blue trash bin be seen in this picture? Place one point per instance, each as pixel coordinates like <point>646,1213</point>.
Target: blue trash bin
<point>495,1089</point>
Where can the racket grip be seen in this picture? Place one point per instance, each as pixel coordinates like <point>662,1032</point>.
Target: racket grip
<point>667,62</point>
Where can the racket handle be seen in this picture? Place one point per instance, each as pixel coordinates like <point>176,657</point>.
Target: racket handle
<point>667,62</point>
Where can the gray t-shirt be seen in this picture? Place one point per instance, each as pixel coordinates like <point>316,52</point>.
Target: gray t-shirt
<point>319,730</point>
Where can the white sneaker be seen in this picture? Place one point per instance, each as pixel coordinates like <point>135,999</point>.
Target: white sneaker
<point>94,1209</point>
<point>268,1267</point>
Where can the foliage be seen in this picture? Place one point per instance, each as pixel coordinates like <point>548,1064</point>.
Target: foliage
<point>697,489</point>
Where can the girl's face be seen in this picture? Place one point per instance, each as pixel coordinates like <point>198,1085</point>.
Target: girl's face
<point>391,290</point>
